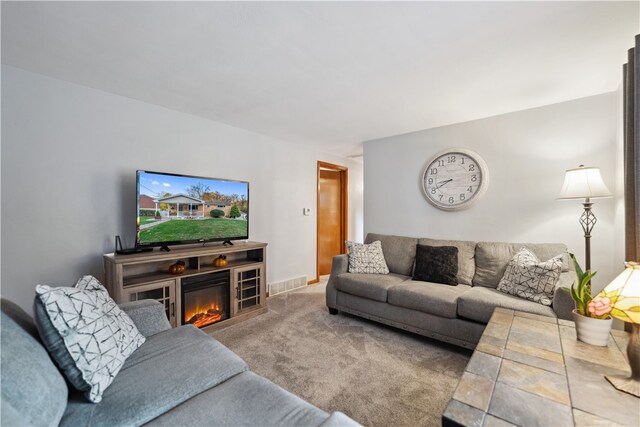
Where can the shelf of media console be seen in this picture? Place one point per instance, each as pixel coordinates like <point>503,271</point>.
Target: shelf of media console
<point>124,271</point>
<point>190,272</point>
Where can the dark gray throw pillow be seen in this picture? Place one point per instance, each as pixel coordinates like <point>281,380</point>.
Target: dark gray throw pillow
<point>437,264</point>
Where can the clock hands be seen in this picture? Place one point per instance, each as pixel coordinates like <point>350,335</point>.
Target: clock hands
<point>441,183</point>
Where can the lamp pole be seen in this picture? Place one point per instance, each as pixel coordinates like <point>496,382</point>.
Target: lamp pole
<point>587,220</point>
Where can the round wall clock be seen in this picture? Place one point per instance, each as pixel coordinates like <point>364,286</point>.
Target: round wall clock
<point>455,179</point>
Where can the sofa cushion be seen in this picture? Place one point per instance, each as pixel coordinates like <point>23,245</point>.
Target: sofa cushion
<point>169,368</point>
<point>526,277</point>
<point>399,252</point>
<point>492,259</point>
<point>372,286</point>
<point>366,258</point>
<point>86,333</point>
<point>466,256</point>
<point>244,400</point>
<point>432,298</point>
<point>437,264</point>
<point>34,392</point>
<point>478,304</point>
<point>458,331</point>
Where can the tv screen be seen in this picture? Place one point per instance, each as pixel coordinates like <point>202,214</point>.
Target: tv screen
<point>178,209</point>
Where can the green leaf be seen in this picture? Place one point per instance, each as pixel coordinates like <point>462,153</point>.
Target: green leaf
<point>579,271</point>
<point>634,309</point>
<point>574,294</point>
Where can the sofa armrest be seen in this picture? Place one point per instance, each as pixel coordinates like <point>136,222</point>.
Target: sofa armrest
<point>339,265</point>
<point>148,315</point>
<point>562,303</point>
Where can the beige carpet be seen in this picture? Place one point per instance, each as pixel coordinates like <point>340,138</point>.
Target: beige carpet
<point>378,375</point>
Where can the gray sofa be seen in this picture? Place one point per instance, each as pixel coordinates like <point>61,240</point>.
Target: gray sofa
<point>455,314</point>
<point>179,376</point>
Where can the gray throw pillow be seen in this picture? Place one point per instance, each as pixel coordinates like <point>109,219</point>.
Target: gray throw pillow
<point>366,258</point>
<point>86,333</point>
<point>436,264</point>
<point>527,277</point>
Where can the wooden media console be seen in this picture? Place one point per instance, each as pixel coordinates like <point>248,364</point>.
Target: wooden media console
<point>146,276</point>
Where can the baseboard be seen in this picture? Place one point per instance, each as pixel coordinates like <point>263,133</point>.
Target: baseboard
<point>287,285</point>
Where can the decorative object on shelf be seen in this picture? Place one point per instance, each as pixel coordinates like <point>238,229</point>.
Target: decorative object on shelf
<point>584,183</point>
<point>221,261</point>
<point>591,315</point>
<point>624,293</point>
<point>178,268</point>
<point>455,179</point>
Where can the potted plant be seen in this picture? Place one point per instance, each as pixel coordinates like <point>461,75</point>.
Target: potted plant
<point>157,215</point>
<point>591,315</point>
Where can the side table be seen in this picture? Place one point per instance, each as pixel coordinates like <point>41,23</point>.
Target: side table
<point>530,370</point>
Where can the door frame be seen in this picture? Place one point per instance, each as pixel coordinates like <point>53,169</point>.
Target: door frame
<point>344,209</point>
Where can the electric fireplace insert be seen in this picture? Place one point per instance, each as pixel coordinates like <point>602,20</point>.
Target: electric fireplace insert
<point>205,299</point>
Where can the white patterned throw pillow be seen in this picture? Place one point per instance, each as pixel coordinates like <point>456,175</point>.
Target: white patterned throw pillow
<point>366,258</point>
<point>527,277</point>
<point>86,333</point>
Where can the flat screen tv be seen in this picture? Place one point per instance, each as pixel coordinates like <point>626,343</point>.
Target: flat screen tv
<point>180,209</point>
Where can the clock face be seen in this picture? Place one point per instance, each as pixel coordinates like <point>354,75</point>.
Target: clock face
<point>455,179</point>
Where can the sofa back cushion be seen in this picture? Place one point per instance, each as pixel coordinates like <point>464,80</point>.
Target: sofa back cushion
<point>399,252</point>
<point>466,256</point>
<point>22,319</point>
<point>33,390</point>
<point>492,259</point>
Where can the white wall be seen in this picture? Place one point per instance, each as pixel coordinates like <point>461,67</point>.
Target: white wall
<point>69,156</point>
<point>527,153</point>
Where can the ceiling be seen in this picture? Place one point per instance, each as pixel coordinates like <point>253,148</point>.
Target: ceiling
<point>328,74</point>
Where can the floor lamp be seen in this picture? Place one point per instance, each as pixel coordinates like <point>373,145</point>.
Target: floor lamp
<point>584,183</point>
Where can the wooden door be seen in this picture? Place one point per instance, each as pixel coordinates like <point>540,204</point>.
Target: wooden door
<point>332,211</point>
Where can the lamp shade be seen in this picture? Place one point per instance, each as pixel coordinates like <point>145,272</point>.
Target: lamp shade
<point>583,182</point>
<point>624,293</point>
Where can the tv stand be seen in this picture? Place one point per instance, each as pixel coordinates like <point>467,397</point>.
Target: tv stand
<point>146,275</point>
<point>165,248</point>
<point>227,243</point>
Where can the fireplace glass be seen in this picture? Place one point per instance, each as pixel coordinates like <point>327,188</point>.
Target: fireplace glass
<point>205,299</point>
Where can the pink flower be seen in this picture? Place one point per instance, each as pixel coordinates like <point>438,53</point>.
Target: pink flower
<point>599,306</point>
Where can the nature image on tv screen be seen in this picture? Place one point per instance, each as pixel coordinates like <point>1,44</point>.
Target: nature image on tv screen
<point>179,208</point>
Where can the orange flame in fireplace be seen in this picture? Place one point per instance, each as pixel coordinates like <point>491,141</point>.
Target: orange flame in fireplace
<point>200,317</point>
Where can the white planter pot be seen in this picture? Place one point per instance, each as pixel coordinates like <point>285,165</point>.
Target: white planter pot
<point>592,331</point>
